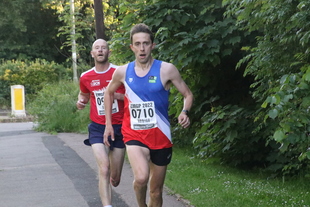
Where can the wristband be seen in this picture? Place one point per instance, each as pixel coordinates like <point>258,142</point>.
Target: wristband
<point>185,111</point>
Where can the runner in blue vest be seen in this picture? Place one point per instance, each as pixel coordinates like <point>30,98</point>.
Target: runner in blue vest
<point>146,126</point>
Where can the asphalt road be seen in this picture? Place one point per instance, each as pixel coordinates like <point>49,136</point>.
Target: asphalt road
<point>43,170</point>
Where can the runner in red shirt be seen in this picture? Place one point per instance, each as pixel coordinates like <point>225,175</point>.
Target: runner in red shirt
<point>93,83</point>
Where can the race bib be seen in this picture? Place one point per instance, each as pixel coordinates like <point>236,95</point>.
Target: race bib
<point>142,115</point>
<point>100,103</point>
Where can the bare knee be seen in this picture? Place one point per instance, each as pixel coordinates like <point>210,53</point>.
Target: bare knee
<point>141,181</point>
<point>115,181</point>
<point>104,171</point>
<point>115,176</point>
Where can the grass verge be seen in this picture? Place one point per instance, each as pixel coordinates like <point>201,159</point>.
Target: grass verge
<point>210,185</point>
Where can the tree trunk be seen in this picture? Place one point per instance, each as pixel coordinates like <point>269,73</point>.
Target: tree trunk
<point>74,56</point>
<point>99,20</point>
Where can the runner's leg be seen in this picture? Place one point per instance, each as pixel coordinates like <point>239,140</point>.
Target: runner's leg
<point>139,160</point>
<point>101,154</point>
<point>157,178</point>
<point>116,161</point>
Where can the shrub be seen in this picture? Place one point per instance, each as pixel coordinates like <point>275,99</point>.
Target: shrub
<point>54,109</point>
<point>32,74</point>
<point>228,133</point>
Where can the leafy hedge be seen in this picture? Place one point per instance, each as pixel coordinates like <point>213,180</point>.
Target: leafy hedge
<point>280,66</point>
<point>34,75</point>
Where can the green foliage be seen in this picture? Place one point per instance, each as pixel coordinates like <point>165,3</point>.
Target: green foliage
<point>120,40</point>
<point>34,75</point>
<point>280,65</point>
<point>55,110</point>
<point>228,133</point>
<point>83,25</point>
<point>28,31</point>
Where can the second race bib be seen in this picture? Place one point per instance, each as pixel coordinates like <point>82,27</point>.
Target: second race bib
<point>100,103</point>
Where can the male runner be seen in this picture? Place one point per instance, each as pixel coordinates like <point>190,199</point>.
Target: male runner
<point>110,158</point>
<point>146,126</point>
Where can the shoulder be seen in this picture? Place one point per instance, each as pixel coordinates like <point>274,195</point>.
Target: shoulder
<point>87,72</point>
<point>122,68</point>
<point>168,68</point>
<point>120,72</point>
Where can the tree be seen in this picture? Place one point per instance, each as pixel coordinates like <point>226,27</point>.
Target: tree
<point>99,17</point>
<point>85,30</point>
<point>28,31</point>
<point>73,40</point>
<point>281,67</point>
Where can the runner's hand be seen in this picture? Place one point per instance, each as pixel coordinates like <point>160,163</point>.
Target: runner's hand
<point>109,131</point>
<point>80,104</point>
<point>184,120</point>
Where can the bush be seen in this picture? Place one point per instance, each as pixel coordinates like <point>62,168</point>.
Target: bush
<point>54,109</point>
<point>228,133</point>
<point>34,75</point>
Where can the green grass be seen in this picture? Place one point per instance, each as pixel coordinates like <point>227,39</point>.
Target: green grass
<point>208,185</point>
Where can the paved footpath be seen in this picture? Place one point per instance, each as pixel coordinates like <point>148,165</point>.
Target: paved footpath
<point>43,170</point>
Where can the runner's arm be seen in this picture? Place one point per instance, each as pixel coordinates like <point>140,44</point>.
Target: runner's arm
<point>108,101</point>
<point>178,82</point>
<point>119,96</point>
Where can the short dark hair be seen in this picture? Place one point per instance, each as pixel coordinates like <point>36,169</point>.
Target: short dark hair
<point>141,28</point>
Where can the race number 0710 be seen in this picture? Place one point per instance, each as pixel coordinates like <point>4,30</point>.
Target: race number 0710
<point>142,113</point>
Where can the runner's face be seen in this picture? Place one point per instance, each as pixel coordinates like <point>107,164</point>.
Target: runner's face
<point>100,51</point>
<point>142,46</point>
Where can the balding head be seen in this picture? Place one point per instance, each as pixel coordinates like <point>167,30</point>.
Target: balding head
<point>101,42</point>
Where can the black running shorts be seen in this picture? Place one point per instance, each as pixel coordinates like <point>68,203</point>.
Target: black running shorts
<point>160,157</point>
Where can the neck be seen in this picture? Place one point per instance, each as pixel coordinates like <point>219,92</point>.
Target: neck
<point>144,66</point>
<point>100,67</point>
